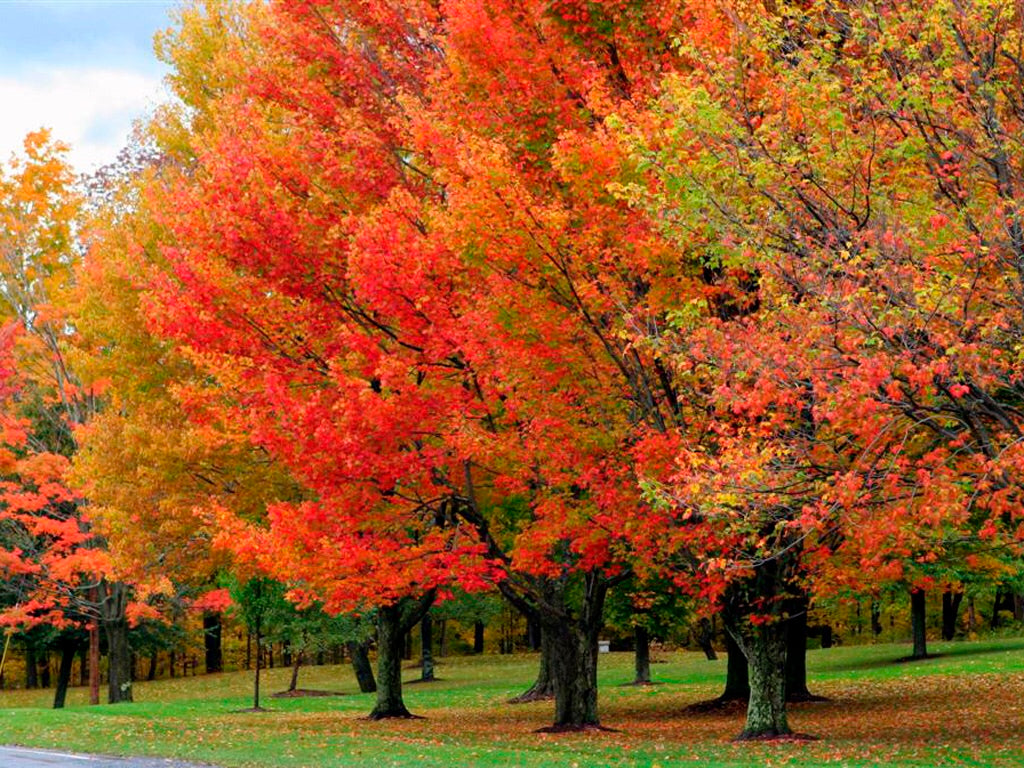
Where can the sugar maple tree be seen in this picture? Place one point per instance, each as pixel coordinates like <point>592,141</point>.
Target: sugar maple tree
<point>405,259</point>
<point>845,178</point>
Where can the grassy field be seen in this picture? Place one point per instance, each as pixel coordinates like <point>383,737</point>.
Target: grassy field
<point>963,707</point>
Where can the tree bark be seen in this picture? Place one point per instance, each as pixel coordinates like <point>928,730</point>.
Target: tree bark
<point>94,663</point>
<point>574,659</point>
<point>427,646</point>
<point>642,656</point>
<point>478,637</point>
<point>574,674</point>
<point>68,649</point>
<point>31,666</point>
<point>212,642</point>
<point>705,639</point>
<point>917,622</point>
<point>876,618</point>
<point>360,653</point>
<point>259,663</point>
<point>764,646</point>
<point>737,673</point>
<point>154,660</point>
<point>950,612</point>
<point>796,650</point>
<point>119,662</point>
<point>393,623</point>
<point>544,686</point>
<point>296,663</point>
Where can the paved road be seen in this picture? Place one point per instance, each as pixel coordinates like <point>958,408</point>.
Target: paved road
<point>18,757</point>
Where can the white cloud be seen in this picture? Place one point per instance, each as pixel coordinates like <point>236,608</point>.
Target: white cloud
<point>91,109</point>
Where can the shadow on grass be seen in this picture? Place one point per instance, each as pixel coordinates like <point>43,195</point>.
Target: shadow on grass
<point>949,651</point>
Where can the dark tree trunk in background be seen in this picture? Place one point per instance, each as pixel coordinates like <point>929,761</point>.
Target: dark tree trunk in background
<point>31,666</point>
<point>393,623</point>
<point>544,686</point>
<point>154,660</point>
<point>442,638</point>
<point>917,623</point>
<point>94,663</point>
<point>44,670</point>
<point>407,645</point>
<point>212,642</point>
<point>643,656</point>
<point>83,664</point>
<point>876,618</point>
<point>258,626</point>
<point>796,650</point>
<point>950,613</point>
<point>68,649</point>
<point>361,667</point>
<point>427,648</point>
<point>478,637</point>
<point>706,638</point>
<point>737,674</point>
<point>532,633</point>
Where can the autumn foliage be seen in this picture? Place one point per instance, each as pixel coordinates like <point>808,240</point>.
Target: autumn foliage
<point>539,296</point>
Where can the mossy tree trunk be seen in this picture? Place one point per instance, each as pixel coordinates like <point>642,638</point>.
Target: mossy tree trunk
<point>573,660</point>
<point>393,623</point>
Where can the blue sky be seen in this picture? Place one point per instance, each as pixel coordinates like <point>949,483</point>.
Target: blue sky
<point>84,68</point>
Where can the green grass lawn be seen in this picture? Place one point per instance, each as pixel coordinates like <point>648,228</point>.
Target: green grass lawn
<point>964,707</point>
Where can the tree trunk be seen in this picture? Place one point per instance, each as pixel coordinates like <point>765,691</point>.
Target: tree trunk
<point>360,653</point>
<point>574,674</point>
<point>407,645</point>
<point>31,666</point>
<point>44,670</point>
<point>68,649</point>
<point>917,622</point>
<point>390,643</point>
<point>259,663</point>
<point>119,662</point>
<point>796,651</point>
<point>544,686</point>
<point>83,664</point>
<point>154,660</point>
<point>737,673</point>
<point>876,618</point>
<point>765,648</point>
<point>427,643</point>
<point>643,656</point>
<point>442,645</point>
<point>296,663</point>
<point>478,637</point>
<point>533,631</point>
<point>705,639</point>
<point>94,663</point>
<point>212,642</point>
<point>950,612</point>
<point>393,623</point>
<point>574,658</point>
